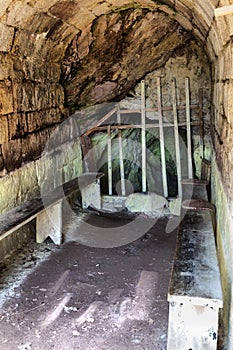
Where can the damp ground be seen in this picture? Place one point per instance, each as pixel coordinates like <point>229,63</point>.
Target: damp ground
<point>78,297</point>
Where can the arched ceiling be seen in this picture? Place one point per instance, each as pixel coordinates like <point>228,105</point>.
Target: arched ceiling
<point>105,46</point>
<point>123,47</point>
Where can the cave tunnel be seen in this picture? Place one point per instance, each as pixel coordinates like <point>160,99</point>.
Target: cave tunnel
<point>64,66</point>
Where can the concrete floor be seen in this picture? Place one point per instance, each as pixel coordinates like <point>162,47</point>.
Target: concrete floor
<point>78,297</point>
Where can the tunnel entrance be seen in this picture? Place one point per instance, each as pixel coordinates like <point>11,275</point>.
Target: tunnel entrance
<point>59,58</point>
<point>148,149</point>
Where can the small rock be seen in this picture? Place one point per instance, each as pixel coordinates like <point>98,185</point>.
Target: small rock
<point>75,333</point>
<point>26,346</point>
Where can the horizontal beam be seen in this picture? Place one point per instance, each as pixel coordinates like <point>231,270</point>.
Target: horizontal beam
<point>138,126</point>
<point>164,108</point>
<point>101,121</point>
<point>223,11</point>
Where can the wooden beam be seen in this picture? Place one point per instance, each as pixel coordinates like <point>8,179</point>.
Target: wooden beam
<point>176,134</point>
<point>162,143</point>
<point>109,161</point>
<point>143,134</point>
<point>188,121</point>
<point>101,121</point>
<point>164,108</point>
<point>139,126</point>
<point>223,11</point>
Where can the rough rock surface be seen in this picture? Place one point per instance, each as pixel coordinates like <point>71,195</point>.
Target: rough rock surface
<point>123,47</point>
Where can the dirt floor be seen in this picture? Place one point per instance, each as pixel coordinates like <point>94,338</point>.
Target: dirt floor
<point>79,297</point>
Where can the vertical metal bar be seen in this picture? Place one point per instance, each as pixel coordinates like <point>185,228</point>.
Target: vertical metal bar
<point>143,134</point>
<point>176,133</point>
<point>109,161</point>
<point>201,122</point>
<point>121,158</point>
<point>122,170</point>
<point>188,126</point>
<point>162,143</point>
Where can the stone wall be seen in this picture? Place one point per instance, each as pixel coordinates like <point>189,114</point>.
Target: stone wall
<point>41,176</point>
<point>31,107</point>
<point>34,36</point>
<point>224,238</point>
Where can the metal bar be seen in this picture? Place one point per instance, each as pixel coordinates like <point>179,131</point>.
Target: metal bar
<point>121,159</point>
<point>162,146</point>
<point>176,134</point>
<point>188,120</point>
<point>109,161</point>
<point>143,134</point>
<point>201,123</point>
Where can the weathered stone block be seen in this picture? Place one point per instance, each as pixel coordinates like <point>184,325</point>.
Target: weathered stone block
<point>53,72</point>
<point>77,165</point>
<point>55,51</point>
<point>24,96</point>
<point>185,9</point>
<point>41,96</point>
<point>6,97</point>
<point>4,5</point>
<point>72,151</point>
<point>139,202</point>
<point>18,187</point>
<point>12,154</point>
<point>27,44</point>
<point>42,4</point>
<point>228,62</point>
<point>33,145</point>
<point>61,32</point>
<point>4,134</point>
<point>202,18</point>
<point>34,121</point>
<point>19,14</point>
<point>6,37</point>
<point>34,70</point>
<point>199,35</point>
<point>56,95</point>
<point>223,29</point>
<point>42,119</point>
<point>184,22</point>
<point>17,125</point>
<point>41,23</point>
<point>215,40</point>
<point>6,66</point>
<point>24,44</point>
<point>54,116</point>
<point>28,181</point>
<point>228,101</point>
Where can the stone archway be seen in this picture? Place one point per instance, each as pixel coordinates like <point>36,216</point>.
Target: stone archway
<point>37,36</point>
